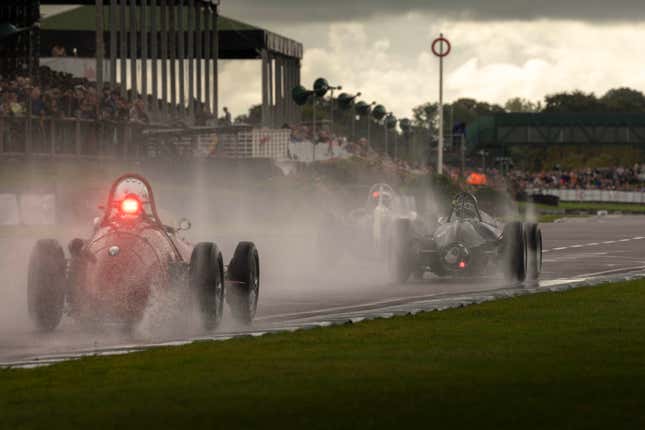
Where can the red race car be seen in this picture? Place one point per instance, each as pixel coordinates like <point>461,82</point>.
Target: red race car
<point>132,255</point>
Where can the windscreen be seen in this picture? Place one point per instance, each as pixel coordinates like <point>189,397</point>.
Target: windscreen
<point>131,188</point>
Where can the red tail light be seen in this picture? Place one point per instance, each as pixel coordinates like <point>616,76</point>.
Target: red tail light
<point>462,264</point>
<point>130,206</point>
<point>375,194</point>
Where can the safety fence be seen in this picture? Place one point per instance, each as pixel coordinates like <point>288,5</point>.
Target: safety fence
<point>239,142</point>
<point>83,138</point>
<point>612,196</point>
<point>255,143</point>
<point>68,137</point>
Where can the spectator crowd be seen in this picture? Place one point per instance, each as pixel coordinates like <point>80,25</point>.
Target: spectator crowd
<point>61,95</point>
<point>610,178</point>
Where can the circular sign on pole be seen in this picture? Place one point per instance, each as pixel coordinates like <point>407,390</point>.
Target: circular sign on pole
<point>438,46</point>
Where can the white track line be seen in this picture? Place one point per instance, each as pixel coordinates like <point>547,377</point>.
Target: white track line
<point>609,272</point>
<point>607,242</point>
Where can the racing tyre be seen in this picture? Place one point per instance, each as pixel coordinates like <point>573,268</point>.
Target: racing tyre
<point>399,259</point>
<point>534,250</point>
<point>206,278</point>
<point>244,290</point>
<point>515,252</point>
<point>46,284</point>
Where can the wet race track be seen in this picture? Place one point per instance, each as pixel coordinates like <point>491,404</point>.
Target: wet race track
<point>576,249</point>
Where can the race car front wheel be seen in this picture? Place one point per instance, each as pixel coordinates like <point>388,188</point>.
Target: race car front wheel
<point>515,252</point>
<point>244,291</point>
<point>206,277</point>
<point>46,284</point>
<point>534,250</point>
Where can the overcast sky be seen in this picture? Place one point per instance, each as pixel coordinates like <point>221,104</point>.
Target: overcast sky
<point>501,48</point>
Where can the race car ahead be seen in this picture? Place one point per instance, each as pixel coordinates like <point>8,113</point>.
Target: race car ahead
<point>467,243</point>
<point>112,276</point>
<point>368,228</point>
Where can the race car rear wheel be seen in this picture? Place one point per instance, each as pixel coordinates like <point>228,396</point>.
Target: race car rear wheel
<point>515,252</point>
<point>244,274</point>
<point>400,265</point>
<point>534,250</point>
<point>206,277</point>
<point>46,284</point>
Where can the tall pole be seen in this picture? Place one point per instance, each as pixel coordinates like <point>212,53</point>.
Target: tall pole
<point>100,55</point>
<point>354,120</point>
<point>331,102</point>
<point>396,145</point>
<point>154,54</point>
<point>368,124</point>
<point>385,129</point>
<point>113,46</point>
<point>134,85</point>
<point>199,56</point>
<point>463,154</point>
<point>123,47</point>
<point>190,34</point>
<point>163,16</point>
<point>215,47</point>
<point>440,48</point>
<point>440,146</point>
<point>314,139</point>
<point>172,47</point>
<point>331,114</point>
<point>143,31</point>
<point>206,55</point>
<point>181,41</point>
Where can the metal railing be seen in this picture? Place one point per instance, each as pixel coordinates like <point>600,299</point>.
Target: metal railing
<point>38,136</point>
<point>50,137</point>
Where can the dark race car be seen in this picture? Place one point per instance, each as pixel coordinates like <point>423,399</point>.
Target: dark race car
<point>467,243</point>
<point>132,255</point>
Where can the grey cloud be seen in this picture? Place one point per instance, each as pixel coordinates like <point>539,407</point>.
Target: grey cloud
<point>302,11</point>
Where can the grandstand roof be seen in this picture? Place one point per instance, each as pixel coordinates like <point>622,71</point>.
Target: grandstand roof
<point>237,40</point>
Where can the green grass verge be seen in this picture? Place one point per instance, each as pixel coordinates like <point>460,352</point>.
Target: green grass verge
<point>586,206</point>
<point>612,207</point>
<point>547,218</point>
<point>566,360</point>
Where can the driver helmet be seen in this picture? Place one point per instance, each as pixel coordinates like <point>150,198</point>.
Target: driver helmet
<point>129,187</point>
<point>385,197</point>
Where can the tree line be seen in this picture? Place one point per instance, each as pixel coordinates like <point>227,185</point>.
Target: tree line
<point>466,110</point>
